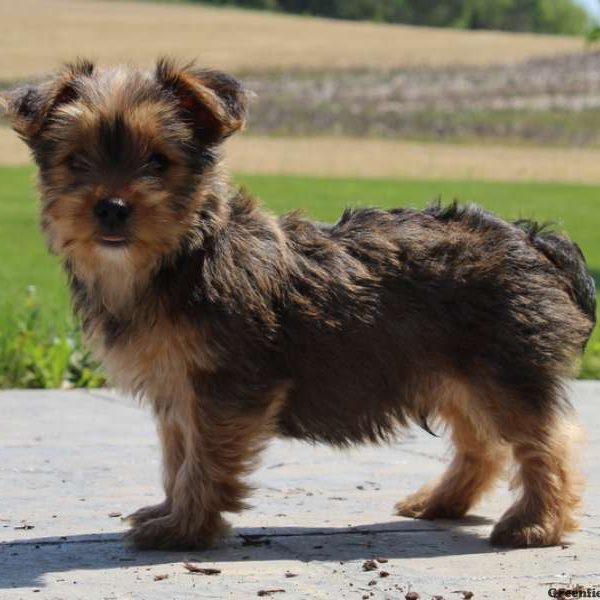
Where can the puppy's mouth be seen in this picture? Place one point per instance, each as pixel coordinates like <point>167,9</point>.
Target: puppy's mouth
<point>113,241</point>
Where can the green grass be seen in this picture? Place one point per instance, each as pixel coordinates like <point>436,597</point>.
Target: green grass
<point>39,341</point>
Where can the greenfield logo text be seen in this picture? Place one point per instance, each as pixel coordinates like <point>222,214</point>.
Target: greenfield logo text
<point>574,593</point>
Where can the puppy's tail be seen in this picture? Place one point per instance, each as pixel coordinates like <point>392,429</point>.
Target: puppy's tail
<point>568,258</point>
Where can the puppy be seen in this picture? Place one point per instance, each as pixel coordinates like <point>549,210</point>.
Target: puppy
<point>235,325</point>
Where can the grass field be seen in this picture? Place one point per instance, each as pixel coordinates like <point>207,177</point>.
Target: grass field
<point>37,35</point>
<point>25,262</point>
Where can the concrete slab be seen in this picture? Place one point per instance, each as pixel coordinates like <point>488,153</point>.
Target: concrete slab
<point>71,459</point>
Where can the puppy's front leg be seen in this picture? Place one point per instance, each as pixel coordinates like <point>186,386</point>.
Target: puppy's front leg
<point>220,446</point>
<point>173,454</point>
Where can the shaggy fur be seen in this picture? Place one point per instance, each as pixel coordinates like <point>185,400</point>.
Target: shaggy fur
<point>236,326</point>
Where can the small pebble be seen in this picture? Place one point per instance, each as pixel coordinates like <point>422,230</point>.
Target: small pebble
<point>370,565</point>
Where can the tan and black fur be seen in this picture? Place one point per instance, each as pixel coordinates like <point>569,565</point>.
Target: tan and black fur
<point>236,326</point>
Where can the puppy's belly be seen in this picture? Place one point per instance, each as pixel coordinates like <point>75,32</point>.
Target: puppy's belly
<point>347,409</point>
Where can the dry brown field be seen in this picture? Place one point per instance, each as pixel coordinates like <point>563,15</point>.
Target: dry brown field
<point>356,157</point>
<point>37,35</point>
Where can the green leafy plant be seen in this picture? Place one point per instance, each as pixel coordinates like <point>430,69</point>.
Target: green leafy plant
<point>593,36</point>
<point>34,353</point>
<point>590,368</point>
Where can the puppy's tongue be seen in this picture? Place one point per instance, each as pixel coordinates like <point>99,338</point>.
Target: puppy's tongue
<point>113,238</point>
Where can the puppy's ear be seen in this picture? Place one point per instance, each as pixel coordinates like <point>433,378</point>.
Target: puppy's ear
<point>214,102</point>
<point>28,108</point>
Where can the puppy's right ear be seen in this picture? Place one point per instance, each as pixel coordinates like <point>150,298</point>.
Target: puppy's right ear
<point>24,108</point>
<point>28,108</point>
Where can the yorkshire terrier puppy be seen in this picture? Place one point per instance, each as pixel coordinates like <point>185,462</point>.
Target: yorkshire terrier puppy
<point>235,325</point>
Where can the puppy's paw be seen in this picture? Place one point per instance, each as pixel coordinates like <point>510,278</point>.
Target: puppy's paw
<point>517,532</point>
<point>170,533</point>
<point>148,512</point>
<point>412,506</point>
<point>426,505</point>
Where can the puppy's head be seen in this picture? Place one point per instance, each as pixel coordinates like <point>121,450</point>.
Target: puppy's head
<point>124,155</point>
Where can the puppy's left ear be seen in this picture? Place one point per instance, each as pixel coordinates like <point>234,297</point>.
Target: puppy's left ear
<point>28,108</point>
<point>214,102</point>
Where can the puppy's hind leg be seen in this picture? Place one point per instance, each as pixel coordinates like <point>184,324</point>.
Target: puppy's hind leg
<point>547,477</point>
<point>479,459</point>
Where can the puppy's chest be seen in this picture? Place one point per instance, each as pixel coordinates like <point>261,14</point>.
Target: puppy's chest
<point>157,363</point>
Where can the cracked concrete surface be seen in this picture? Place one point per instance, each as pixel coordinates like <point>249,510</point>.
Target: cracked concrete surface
<point>74,461</point>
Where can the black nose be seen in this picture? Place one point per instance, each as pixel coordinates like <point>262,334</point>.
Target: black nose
<point>112,214</point>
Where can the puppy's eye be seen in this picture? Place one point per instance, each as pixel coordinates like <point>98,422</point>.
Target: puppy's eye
<point>158,162</point>
<point>76,163</point>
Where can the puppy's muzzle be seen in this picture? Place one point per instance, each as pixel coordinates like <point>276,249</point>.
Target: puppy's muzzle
<point>112,215</point>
